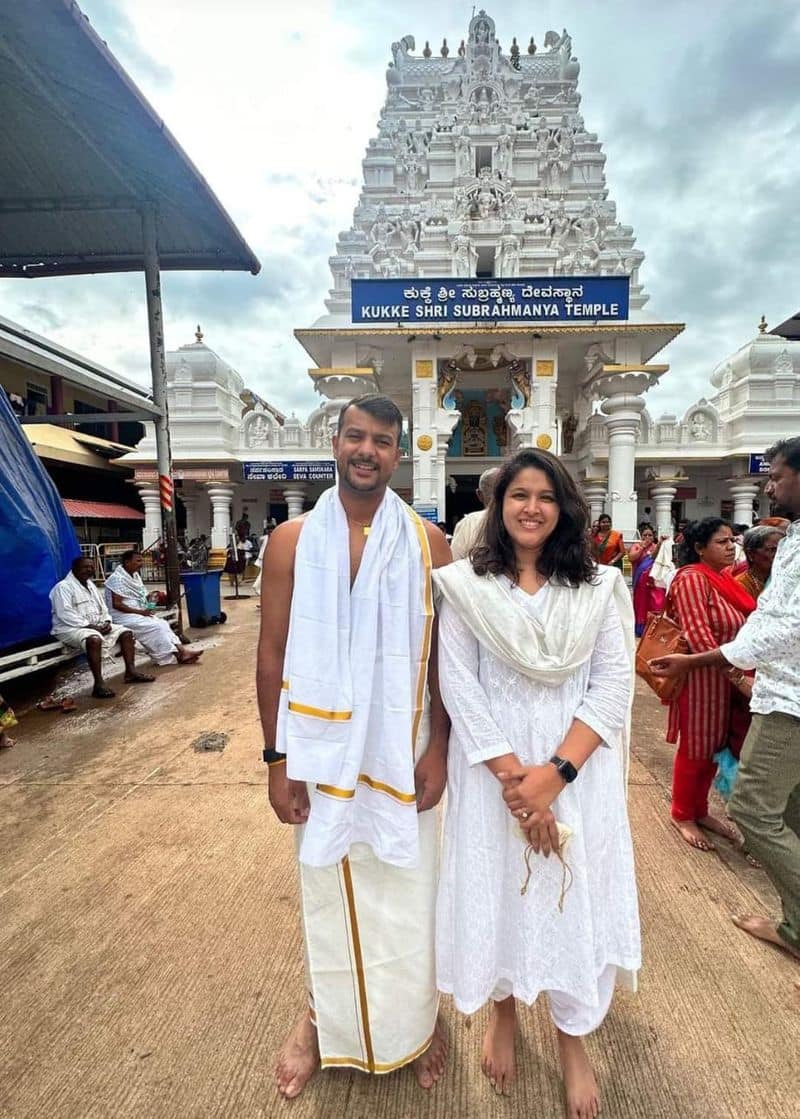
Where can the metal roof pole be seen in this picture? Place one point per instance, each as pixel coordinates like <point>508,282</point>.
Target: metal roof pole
<point>158,368</point>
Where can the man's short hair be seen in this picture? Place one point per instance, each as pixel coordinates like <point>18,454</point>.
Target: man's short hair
<point>787,449</point>
<point>487,482</point>
<point>380,407</point>
<point>76,563</point>
<point>128,555</point>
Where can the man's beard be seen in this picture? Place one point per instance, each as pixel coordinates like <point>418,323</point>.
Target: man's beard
<point>778,510</point>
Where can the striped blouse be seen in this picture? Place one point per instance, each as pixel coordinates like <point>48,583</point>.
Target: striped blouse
<point>700,717</point>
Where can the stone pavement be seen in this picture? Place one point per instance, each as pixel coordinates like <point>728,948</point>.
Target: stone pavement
<point>150,953</point>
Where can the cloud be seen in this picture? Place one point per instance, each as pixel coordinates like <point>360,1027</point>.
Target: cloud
<point>695,105</point>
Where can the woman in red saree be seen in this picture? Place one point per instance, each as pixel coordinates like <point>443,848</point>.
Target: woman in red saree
<point>647,597</point>
<point>607,545</point>
<point>711,711</point>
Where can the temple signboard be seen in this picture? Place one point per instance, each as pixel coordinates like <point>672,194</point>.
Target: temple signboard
<point>551,298</point>
<point>292,470</point>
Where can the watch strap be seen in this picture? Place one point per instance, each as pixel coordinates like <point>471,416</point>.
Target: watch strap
<point>565,768</point>
<point>273,757</point>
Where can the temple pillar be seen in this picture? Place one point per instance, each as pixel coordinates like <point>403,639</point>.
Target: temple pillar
<point>623,405</point>
<point>189,502</point>
<point>221,497</point>
<point>744,491</point>
<point>433,419</point>
<point>294,496</point>
<point>149,493</point>
<point>662,494</point>
<point>595,492</point>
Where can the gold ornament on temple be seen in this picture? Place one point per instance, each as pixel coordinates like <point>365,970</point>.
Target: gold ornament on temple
<point>424,442</point>
<point>544,442</point>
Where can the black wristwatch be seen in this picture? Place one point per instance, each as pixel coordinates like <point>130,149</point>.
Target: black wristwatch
<point>565,768</point>
<point>273,757</point>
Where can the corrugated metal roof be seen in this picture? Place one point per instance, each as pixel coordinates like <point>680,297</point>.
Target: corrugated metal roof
<point>59,444</point>
<point>26,348</point>
<point>100,510</point>
<point>82,151</point>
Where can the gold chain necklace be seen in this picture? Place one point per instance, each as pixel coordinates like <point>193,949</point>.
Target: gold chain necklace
<point>364,528</point>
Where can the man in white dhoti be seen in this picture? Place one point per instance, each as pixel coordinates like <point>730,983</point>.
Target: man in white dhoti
<point>82,621</point>
<point>537,893</point>
<point>356,743</point>
<point>128,605</point>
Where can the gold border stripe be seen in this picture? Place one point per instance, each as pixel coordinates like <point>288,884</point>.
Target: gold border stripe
<point>332,791</point>
<point>356,1062</point>
<point>362,986</point>
<point>382,787</point>
<point>318,713</point>
<point>425,652</point>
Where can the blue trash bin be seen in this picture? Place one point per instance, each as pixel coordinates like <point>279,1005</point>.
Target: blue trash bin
<point>203,597</point>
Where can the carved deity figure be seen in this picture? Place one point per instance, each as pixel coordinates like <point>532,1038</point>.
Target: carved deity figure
<point>560,226</point>
<point>568,429</point>
<point>699,427</point>
<point>508,255</point>
<point>448,376</point>
<point>505,154</point>
<point>381,229</point>
<point>257,431</point>
<point>473,428</point>
<point>465,255</point>
<point>520,378</point>
<point>463,156</point>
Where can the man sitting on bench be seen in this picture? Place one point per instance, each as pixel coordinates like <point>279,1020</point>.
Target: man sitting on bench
<point>81,621</point>
<point>127,601</point>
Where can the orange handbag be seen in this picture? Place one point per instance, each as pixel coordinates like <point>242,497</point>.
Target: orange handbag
<point>661,636</point>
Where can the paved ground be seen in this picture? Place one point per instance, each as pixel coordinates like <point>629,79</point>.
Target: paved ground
<point>150,956</point>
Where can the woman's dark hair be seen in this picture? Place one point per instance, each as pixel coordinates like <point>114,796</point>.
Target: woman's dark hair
<point>645,526</point>
<point>698,532</point>
<point>566,555</point>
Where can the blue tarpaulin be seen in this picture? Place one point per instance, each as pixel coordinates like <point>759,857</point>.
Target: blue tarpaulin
<point>37,540</point>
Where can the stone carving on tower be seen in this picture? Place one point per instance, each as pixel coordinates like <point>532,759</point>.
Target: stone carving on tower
<point>482,162</point>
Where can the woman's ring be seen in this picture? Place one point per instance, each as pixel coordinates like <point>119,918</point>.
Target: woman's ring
<point>524,815</point>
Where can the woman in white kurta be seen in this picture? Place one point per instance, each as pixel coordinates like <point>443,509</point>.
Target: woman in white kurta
<point>532,669</point>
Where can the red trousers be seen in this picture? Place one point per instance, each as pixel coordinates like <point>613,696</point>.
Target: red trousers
<point>691,782</point>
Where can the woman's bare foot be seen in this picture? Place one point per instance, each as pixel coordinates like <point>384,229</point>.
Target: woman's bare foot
<point>764,929</point>
<point>299,1058</point>
<point>429,1067</point>
<point>583,1096</point>
<point>719,827</point>
<point>497,1055</point>
<point>691,834</point>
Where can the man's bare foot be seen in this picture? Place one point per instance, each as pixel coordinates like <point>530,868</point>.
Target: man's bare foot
<point>298,1060</point>
<point>429,1067</point>
<point>497,1054</point>
<point>138,678</point>
<point>764,929</point>
<point>719,827</point>
<point>583,1096</point>
<point>691,834</point>
<point>184,657</point>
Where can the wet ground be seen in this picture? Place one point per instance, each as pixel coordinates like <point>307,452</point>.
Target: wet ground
<point>150,952</point>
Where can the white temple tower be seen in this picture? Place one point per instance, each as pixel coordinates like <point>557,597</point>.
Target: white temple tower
<point>483,167</point>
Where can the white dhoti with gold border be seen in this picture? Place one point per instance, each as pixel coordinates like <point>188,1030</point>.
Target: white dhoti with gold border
<point>368,929</point>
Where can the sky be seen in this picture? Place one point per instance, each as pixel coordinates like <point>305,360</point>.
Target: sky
<point>695,104</point>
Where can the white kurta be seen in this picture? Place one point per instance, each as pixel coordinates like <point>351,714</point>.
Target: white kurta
<point>76,607</point>
<point>153,634</point>
<point>491,940</point>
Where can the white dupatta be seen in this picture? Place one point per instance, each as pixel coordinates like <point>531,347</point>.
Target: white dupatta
<point>355,680</point>
<point>549,648</point>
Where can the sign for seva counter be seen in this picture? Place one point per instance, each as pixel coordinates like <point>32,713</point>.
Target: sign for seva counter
<point>290,471</point>
<point>420,300</point>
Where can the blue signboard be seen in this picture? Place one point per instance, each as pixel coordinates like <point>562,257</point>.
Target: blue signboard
<point>428,512</point>
<point>758,465</point>
<point>421,300</point>
<point>290,471</point>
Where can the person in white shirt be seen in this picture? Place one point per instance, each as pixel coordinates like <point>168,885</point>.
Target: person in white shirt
<point>128,605</point>
<point>766,798</point>
<point>81,620</point>
<point>469,528</point>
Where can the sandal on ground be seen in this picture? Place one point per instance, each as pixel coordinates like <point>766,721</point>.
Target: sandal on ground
<point>49,703</point>
<point>103,693</point>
